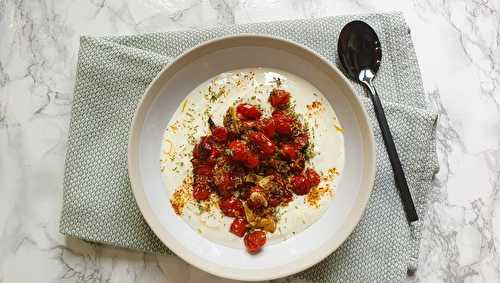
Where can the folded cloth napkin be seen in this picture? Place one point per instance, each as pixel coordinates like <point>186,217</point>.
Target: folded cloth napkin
<point>112,74</point>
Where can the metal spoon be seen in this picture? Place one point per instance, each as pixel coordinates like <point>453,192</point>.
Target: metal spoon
<point>360,53</point>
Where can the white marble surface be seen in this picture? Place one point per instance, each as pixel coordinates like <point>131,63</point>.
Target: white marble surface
<point>458,47</point>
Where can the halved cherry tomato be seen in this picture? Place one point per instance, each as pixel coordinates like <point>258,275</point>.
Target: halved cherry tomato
<point>239,150</point>
<point>279,98</point>
<point>239,226</point>
<point>255,240</point>
<point>283,123</point>
<point>201,191</point>
<point>224,183</point>
<point>214,153</point>
<point>312,177</point>
<point>268,127</point>
<point>289,151</point>
<point>231,207</point>
<point>252,161</point>
<point>300,185</point>
<point>248,111</point>
<point>264,143</point>
<point>203,170</point>
<point>220,134</point>
<point>203,149</point>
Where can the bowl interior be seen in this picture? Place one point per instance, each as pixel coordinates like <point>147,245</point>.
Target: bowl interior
<point>162,99</point>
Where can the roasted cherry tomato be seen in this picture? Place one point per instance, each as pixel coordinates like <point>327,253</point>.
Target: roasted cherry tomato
<point>300,185</point>
<point>239,226</point>
<point>203,170</point>
<point>214,153</point>
<point>255,240</point>
<point>252,161</point>
<point>264,143</point>
<point>239,150</point>
<point>312,177</point>
<point>203,149</point>
<point>224,183</point>
<point>289,151</point>
<point>232,207</point>
<point>248,111</point>
<point>279,98</point>
<point>201,191</point>
<point>220,134</point>
<point>283,123</point>
<point>268,127</point>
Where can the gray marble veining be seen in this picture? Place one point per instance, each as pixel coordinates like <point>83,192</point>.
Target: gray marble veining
<point>458,47</point>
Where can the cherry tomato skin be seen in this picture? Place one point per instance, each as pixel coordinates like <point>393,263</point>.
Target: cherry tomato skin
<point>232,207</point>
<point>239,149</point>
<point>300,185</point>
<point>201,191</point>
<point>203,149</point>
<point>220,134</point>
<point>289,151</point>
<point>239,226</point>
<point>252,161</point>
<point>279,98</point>
<point>214,153</point>
<point>284,127</point>
<point>312,177</point>
<point>248,111</point>
<point>265,144</point>
<point>268,127</point>
<point>224,183</point>
<point>254,241</point>
<point>196,152</point>
<point>283,123</point>
<point>203,170</point>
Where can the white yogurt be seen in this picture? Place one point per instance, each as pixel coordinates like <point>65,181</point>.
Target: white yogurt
<point>212,98</point>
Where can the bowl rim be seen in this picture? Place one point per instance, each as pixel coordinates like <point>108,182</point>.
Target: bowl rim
<point>168,240</point>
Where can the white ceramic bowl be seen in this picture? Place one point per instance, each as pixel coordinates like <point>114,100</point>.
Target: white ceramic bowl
<point>162,98</point>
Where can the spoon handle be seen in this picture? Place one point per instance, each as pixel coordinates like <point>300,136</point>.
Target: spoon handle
<point>399,176</point>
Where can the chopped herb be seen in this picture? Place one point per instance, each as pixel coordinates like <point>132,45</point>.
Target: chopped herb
<point>277,81</point>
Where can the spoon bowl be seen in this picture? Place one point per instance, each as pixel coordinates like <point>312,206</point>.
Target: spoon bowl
<point>359,49</point>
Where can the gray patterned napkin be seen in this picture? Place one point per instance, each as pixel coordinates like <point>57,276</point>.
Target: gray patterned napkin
<point>113,73</point>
